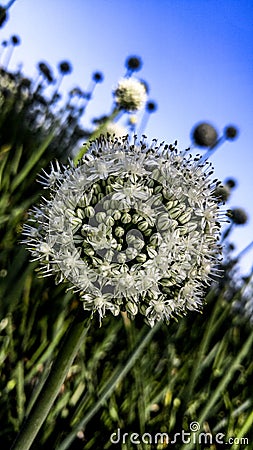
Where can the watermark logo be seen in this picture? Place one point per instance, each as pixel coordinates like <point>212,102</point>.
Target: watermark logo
<point>193,436</point>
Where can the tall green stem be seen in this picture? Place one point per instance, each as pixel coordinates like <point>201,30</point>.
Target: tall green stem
<point>204,414</point>
<point>110,385</point>
<point>50,390</point>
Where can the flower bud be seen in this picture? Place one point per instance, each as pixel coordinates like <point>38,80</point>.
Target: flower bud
<point>238,216</point>
<point>100,217</point>
<point>231,132</point>
<point>141,258</point>
<point>119,231</point>
<point>205,135</point>
<point>132,308</point>
<point>126,218</point>
<point>133,63</point>
<point>121,258</point>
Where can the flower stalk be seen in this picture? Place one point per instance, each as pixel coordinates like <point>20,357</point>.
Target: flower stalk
<point>110,386</point>
<point>56,377</point>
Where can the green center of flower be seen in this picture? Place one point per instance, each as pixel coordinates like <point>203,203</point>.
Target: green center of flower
<point>122,221</point>
<point>114,224</point>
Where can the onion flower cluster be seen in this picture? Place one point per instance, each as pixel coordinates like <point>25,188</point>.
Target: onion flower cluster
<point>133,227</point>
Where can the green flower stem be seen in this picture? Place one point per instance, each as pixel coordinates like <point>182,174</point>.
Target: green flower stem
<point>50,390</point>
<point>244,430</point>
<point>35,157</point>
<point>204,414</point>
<point>96,134</point>
<point>226,379</point>
<point>215,321</point>
<point>118,375</point>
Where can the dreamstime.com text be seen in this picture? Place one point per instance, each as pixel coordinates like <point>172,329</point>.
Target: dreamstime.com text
<point>193,436</point>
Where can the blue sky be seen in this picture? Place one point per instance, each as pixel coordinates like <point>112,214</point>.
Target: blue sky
<point>197,60</point>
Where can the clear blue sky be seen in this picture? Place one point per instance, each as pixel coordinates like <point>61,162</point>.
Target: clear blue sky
<point>197,57</point>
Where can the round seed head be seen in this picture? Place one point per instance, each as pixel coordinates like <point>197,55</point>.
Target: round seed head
<point>97,77</point>
<point>204,135</point>
<point>230,183</point>
<point>133,63</point>
<point>238,216</point>
<point>231,132</point>
<point>65,67</point>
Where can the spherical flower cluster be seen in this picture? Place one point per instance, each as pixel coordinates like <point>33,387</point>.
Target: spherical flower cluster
<point>134,227</point>
<point>231,132</point>
<point>133,63</point>
<point>238,216</point>
<point>130,94</point>
<point>222,192</point>
<point>204,135</point>
<point>115,129</point>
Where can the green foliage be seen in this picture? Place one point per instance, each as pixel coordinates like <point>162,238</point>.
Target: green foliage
<point>199,369</point>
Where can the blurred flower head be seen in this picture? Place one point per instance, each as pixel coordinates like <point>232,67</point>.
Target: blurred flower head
<point>130,94</point>
<point>222,192</point>
<point>65,67</point>
<point>238,216</point>
<point>15,40</point>
<point>204,135</point>
<point>230,183</point>
<point>231,132</point>
<point>133,63</point>
<point>151,106</point>
<point>97,77</point>
<point>115,129</point>
<point>134,227</point>
<point>46,71</point>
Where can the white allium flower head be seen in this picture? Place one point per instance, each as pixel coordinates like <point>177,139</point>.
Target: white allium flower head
<point>134,227</point>
<point>130,94</point>
<point>115,129</point>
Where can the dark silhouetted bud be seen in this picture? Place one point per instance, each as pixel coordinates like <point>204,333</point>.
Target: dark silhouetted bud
<point>46,71</point>
<point>97,77</point>
<point>15,40</point>
<point>65,67</point>
<point>76,91</point>
<point>151,106</point>
<point>231,132</point>
<point>3,16</point>
<point>222,193</point>
<point>204,135</point>
<point>133,63</point>
<point>230,183</point>
<point>238,216</point>
<point>25,82</point>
